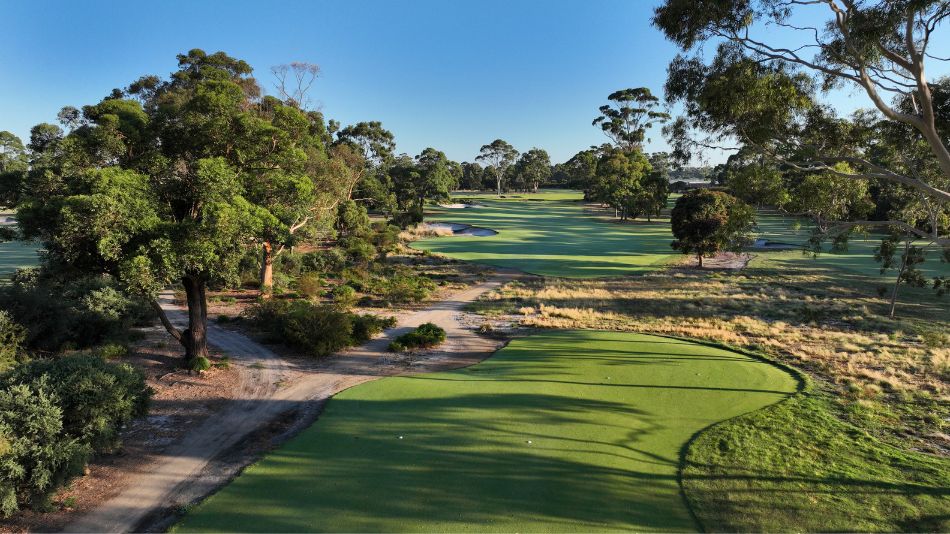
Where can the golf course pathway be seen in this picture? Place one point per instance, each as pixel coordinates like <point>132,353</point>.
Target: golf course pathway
<point>269,388</point>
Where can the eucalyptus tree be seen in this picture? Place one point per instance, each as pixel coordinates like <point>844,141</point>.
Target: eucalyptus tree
<point>766,85</point>
<point>171,181</point>
<point>628,115</point>
<point>498,156</point>
<point>533,168</point>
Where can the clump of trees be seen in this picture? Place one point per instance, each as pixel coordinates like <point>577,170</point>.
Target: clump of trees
<point>705,222</point>
<point>767,99</point>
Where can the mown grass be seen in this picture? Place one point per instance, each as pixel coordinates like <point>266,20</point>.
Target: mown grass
<point>559,431</point>
<point>554,238</point>
<point>796,467</point>
<point>16,255</point>
<point>890,376</point>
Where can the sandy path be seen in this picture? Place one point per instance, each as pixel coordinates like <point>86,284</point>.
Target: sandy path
<point>271,387</point>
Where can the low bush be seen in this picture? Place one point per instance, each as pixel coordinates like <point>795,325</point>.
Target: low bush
<point>323,261</point>
<point>365,327</point>
<point>317,330</point>
<point>425,336</point>
<point>403,288</point>
<point>53,415</point>
<point>309,285</point>
<point>12,341</point>
<point>76,314</point>
<point>344,297</point>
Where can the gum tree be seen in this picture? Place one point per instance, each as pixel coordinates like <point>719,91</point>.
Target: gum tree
<point>498,156</point>
<point>170,181</point>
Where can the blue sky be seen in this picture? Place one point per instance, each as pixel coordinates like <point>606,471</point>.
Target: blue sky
<point>449,74</point>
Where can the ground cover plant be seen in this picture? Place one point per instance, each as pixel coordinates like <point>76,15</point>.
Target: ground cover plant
<point>569,430</point>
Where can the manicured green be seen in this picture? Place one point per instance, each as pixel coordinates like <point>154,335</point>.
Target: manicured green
<point>796,467</point>
<point>560,431</point>
<point>554,238</point>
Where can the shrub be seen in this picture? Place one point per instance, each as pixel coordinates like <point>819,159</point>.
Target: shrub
<point>309,285</point>
<point>359,251</point>
<point>53,415</point>
<point>36,455</point>
<point>344,297</point>
<point>401,288</point>
<point>365,327</point>
<point>73,314</point>
<point>425,336</point>
<point>96,397</point>
<point>12,341</point>
<point>325,261</point>
<point>317,330</point>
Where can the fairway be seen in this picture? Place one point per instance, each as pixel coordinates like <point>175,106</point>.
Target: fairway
<point>553,238</point>
<point>15,255</point>
<point>560,431</point>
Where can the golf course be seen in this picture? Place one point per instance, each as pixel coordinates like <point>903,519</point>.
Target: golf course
<point>559,431</point>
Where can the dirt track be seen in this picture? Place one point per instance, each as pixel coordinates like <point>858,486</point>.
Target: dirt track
<point>272,388</point>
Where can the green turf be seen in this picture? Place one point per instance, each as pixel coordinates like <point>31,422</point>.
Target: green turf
<point>15,255</point>
<point>607,414</point>
<point>554,238</point>
<point>796,467</point>
<point>858,258</point>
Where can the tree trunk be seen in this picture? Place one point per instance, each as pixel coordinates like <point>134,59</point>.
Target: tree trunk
<point>267,268</point>
<point>700,256</point>
<point>897,282</point>
<point>195,338</point>
<point>498,183</point>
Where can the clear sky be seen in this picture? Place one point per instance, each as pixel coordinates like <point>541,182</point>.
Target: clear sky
<point>451,74</point>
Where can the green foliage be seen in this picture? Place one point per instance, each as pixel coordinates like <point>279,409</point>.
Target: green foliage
<point>351,220</point>
<point>97,397</point>
<point>53,415</point>
<point>36,455</point>
<point>532,170</point>
<point>705,222</point>
<point>401,287</point>
<point>198,364</point>
<point>359,252</point>
<point>623,185</point>
<point>628,116</point>
<point>309,285</point>
<point>344,297</point>
<point>316,330</point>
<point>427,335</point>
<point>12,341</point>
<point>76,313</point>
<point>497,156</point>
<point>329,260</point>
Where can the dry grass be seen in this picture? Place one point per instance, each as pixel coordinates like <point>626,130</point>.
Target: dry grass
<point>890,375</point>
<point>423,231</point>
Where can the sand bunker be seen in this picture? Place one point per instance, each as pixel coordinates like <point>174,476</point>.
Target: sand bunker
<point>458,206</point>
<point>464,229</point>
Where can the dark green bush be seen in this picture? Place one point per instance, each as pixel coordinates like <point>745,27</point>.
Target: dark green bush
<point>402,288</point>
<point>97,397</point>
<point>317,330</point>
<point>425,336</point>
<point>36,455</point>
<point>344,297</point>
<point>331,260</point>
<point>358,251</point>
<point>365,327</point>
<point>71,314</point>
<point>53,415</point>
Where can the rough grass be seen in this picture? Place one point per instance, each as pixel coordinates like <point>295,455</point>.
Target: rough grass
<point>889,375</point>
<point>560,431</point>
<point>795,467</point>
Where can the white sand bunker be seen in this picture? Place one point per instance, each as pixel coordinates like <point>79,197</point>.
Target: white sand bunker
<point>462,229</point>
<point>458,206</point>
